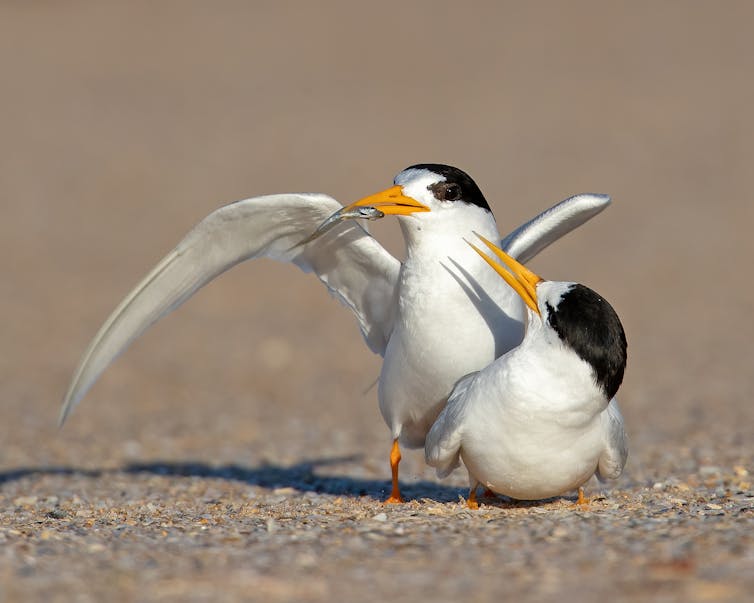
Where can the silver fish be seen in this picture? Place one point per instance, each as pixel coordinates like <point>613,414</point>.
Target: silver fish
<point>354,213</point>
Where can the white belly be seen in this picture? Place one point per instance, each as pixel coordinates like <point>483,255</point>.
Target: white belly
<point>532,467</point>
<point>529,435</point>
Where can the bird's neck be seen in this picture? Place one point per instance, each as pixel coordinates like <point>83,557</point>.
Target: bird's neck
<point>439,261</point>
<point>431,233</point>
<point>436,253</point>
<point>448,290</point>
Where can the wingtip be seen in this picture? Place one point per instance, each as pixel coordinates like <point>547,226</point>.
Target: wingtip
<point>64,411</point>
<point>600,199</point>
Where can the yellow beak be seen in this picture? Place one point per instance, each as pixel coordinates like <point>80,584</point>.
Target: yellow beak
<point>522,280</point>
<point>390,201</point>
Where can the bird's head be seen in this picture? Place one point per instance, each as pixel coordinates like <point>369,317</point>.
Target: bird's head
<point>430,187</point>
<point>429,192</point>
<point>570,313</point>
<point>424,194</point>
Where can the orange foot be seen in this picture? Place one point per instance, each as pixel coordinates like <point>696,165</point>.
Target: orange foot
<point>471,503</point>
<point>583,500</point>
<point>395,458</point>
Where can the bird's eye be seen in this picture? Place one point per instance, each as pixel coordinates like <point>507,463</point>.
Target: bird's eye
<point>452,192</point>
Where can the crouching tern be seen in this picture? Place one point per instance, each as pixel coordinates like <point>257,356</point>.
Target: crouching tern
<point>542,419</point>
<point>435,317</point>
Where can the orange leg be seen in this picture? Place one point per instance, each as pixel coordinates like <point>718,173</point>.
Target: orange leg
<point>583,500</point>
<point>395,458</point>
<point>471,503</point>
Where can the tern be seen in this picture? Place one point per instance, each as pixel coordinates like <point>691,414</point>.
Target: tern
<point>542,419</point>
<point>434,317</point>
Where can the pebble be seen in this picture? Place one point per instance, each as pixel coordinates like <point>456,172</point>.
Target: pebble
<point>25,501</point>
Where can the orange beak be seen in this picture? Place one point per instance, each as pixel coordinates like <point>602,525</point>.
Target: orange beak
<point>390,201</point>
<point>522,280</point>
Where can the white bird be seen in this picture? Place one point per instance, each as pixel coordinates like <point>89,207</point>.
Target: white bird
<point>542,419</point>
<point>435,317</point>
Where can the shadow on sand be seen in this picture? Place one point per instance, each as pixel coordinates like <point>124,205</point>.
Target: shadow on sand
<point>305,476</point>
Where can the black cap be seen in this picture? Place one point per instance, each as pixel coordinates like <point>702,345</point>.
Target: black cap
<point>458,185</point>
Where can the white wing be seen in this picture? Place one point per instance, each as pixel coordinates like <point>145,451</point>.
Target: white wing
<point>613,458</point>
<point>352,264</point>
<point>442,448</point>
<point>529,239</point>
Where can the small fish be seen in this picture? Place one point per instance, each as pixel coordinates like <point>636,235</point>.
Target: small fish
<point>354,213</point>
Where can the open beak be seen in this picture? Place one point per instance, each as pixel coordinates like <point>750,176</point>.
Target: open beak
<point>522,280</point>
<point>390,201</point>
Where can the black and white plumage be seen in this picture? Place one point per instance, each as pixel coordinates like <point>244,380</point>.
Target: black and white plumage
<point>405,310</point>
<point>542,419</point>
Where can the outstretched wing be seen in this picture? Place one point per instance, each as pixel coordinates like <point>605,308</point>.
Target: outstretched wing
<point>529,239</point>
<point>352,264</point>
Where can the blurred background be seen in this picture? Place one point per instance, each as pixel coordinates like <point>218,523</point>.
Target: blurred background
<point>123,124</point>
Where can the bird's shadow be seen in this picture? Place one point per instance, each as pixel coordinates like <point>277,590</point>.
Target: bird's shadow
<point>500,323</point>
<point>303,476</point>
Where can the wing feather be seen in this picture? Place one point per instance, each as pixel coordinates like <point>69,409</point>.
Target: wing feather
<point>529,239</point>
<point>352,264</point>
<point>442,448</point>
<point>614,457</point>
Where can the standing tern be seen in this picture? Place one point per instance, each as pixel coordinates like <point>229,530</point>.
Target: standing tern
<point>542,419</point>
<point>434,318</point>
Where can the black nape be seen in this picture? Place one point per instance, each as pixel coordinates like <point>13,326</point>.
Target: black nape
<point>590,326</point>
